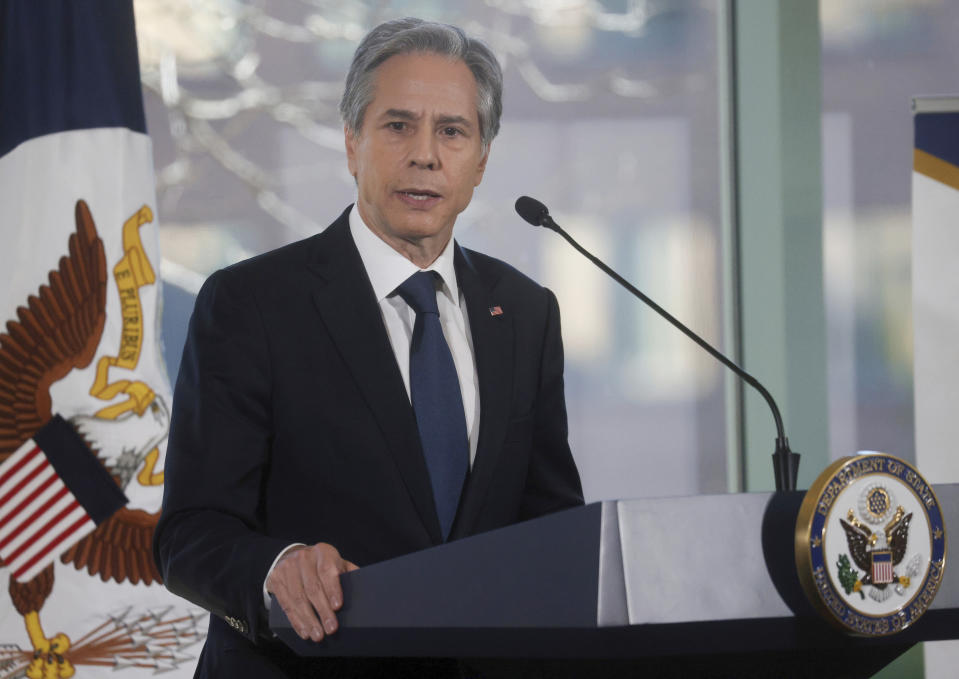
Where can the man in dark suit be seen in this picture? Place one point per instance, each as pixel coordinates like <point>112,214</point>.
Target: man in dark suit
<point>368,392</point>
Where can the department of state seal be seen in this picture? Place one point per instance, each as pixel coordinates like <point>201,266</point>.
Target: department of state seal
<point>870,544</point>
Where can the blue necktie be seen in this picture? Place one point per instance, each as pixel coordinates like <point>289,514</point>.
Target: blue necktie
<point>437,402</point>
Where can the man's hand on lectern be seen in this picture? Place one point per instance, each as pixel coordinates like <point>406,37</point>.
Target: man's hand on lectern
<point>306,583</point>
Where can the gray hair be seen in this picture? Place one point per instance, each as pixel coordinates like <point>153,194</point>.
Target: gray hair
<point>404,36</point>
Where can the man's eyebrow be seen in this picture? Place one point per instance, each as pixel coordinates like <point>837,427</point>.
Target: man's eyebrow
<point>454,120</point>
<point>400,113</point>
<point>450,119</point>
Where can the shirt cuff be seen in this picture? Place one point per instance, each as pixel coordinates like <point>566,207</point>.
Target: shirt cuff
<point>266,595</point>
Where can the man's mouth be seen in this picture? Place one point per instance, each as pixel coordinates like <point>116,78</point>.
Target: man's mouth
<point>418,194</point>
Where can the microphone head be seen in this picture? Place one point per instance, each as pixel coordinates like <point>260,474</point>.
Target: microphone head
<point>532,210</point>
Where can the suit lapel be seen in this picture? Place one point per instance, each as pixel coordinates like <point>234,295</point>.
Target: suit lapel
<point>346,303</point>
<point>493,350</point>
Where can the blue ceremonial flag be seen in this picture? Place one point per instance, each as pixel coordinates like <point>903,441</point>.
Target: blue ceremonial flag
<point>80,352</point>
<point>67,66</point>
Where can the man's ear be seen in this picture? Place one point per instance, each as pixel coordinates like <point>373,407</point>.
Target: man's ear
<point>481,168</point>
<point>350,141</point>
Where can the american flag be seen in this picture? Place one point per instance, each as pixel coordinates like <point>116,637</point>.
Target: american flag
<point>881,566</point>
<point>53,492</point>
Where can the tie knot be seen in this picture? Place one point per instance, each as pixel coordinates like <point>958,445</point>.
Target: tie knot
<point>419,291</point>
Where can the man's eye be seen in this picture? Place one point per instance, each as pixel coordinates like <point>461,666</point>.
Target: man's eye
<point>397,125</point>
<point>452,132</point>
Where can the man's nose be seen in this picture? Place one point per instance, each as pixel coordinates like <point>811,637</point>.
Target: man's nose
<point>424,151</point>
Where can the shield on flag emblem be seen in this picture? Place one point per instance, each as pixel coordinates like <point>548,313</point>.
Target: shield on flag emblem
<point>882,566</point>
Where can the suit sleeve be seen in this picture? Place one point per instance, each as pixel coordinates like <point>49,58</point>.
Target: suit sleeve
<point>209,543</point>
<point>553,481</point>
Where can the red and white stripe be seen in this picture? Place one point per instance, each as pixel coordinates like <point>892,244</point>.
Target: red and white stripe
<point>39,517</point>
<point>882,572</point>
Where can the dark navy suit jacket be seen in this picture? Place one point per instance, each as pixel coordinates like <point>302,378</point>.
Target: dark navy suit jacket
<point>291,423</point>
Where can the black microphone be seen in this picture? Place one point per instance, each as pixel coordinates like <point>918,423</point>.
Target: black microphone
<point>785,462</point>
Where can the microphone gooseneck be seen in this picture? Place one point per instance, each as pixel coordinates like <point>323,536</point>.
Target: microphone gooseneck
<point>785,462</point>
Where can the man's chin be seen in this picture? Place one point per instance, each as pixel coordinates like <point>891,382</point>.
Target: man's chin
<point>420,226</point>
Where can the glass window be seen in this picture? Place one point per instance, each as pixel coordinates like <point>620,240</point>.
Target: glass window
<point>876,56</point>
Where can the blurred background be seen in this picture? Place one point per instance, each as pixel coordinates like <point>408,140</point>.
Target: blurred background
<point>616,116</point>
<point>631,120</point>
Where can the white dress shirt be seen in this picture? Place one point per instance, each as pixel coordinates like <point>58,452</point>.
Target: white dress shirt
<point>387,269</point>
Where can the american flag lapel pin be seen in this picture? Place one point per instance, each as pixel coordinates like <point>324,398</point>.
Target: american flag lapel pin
<point>496,310</point>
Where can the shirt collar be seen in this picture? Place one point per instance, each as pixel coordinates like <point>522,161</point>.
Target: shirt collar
<point>387,268</point>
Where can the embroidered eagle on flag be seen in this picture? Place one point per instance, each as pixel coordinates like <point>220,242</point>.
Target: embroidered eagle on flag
<point>58,331</point>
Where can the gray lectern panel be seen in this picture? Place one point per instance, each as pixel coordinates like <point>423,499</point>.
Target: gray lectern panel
<point>726,557</point>
<point>697,558</point>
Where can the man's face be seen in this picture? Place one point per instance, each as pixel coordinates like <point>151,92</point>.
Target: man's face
<point>418,154</point>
